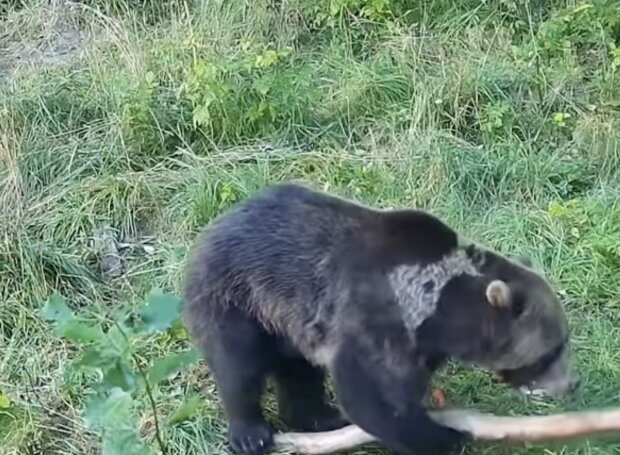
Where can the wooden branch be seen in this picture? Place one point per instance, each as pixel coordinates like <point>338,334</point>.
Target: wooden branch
<point>481,426</point>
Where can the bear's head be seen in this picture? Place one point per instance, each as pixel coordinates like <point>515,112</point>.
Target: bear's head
<point>505,317</point>
<point>535,356</point>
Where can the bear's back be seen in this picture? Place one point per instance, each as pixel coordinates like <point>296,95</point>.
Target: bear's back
<point>279,255</point>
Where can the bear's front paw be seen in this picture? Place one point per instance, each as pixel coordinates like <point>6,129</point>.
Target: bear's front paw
<point>250,438</point>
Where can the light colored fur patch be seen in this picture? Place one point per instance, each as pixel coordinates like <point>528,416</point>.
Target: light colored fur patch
<point>325,354</point>
<point>409,282</point>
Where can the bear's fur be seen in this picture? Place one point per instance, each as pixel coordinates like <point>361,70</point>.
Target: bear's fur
<point>294,282</point>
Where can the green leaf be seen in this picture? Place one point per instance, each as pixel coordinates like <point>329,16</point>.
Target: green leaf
<point>109,412</point>
<point>56,310</point>
<point>123,442</point>
<point>121,376</point>
<point>5,401</point>
<point>160,311</point>
<point>201,114</point>
<point>112,414</point>
<point>96,357</point>
<point>263,85</point>
<point>118,340</point>
<point>178,331</point>
<point>80,332</point>
<point>165,367</point>
<point>188,409</point>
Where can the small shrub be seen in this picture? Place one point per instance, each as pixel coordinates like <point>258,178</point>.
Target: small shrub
<point>109,350</point>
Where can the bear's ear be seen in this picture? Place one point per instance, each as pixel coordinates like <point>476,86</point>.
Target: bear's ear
<point>498,294</point>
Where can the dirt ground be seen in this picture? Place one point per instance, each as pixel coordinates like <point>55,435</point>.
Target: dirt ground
<point>45,36</point>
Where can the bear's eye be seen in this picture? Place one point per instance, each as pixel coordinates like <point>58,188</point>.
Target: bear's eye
<point>518,305</point>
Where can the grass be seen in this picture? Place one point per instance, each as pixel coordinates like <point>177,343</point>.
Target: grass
<point>147,119</point>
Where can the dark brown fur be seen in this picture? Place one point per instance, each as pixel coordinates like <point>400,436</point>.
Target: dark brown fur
<point>294,281</point>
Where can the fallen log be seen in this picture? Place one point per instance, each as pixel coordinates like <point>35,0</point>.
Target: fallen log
<point>481,426</point>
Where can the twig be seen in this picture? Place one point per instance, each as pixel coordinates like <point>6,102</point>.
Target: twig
<point>149,394</point>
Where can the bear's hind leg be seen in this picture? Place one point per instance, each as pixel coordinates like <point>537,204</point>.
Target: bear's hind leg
<point>301,395</point>
<point>240,354</point>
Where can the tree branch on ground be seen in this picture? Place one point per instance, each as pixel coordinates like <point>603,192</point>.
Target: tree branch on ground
<point>481,426</point>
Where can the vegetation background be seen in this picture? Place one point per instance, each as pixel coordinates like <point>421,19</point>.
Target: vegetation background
<point>126,125</point>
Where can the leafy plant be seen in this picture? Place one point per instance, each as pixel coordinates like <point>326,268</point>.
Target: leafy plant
<point>493,116</point>
<point>256,91</point>
<point>109,350</point>
<point>560,118</point>
<point>579,28</point>
<point>336,13</point>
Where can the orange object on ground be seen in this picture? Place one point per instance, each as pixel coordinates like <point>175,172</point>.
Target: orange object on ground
<point>439,397</point>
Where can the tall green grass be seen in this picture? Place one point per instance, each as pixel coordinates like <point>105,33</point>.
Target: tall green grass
<point>501,117</point>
